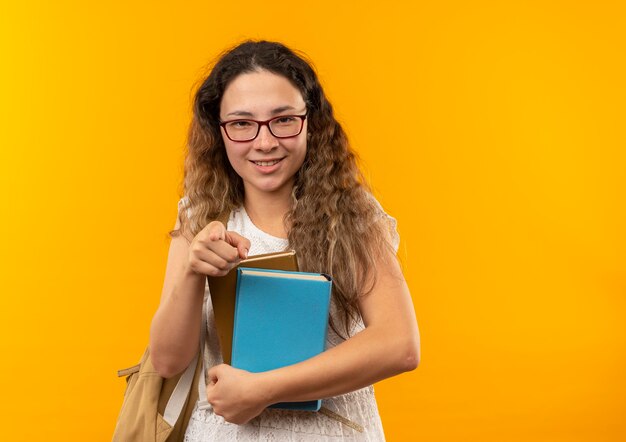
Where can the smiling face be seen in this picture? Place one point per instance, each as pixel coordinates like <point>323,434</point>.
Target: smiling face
<point>266,164</point>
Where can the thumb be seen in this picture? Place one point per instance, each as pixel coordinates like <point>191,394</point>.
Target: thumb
<point>212,374</point>
<point>242,244</point>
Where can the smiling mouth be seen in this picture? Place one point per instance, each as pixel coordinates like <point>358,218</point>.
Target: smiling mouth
<point>267,163</point>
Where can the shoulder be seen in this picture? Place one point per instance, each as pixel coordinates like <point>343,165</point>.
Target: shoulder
<point>184,204</point>
<point>390,222</point>
<point>187,220</point>
<point>236,220</point>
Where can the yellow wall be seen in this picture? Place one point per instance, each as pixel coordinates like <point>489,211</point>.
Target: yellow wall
<point>493,131</point>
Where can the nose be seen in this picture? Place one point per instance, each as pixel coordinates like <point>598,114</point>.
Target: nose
<point>265,141</point>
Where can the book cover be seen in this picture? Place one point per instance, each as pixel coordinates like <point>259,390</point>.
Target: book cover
<point>281,318</point>
<point>222,289</point>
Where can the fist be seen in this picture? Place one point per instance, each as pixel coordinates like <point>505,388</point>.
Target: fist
<point>236,395</point>
<point>215,251</point>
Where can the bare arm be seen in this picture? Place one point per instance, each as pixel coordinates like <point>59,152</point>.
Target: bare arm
<point>389,345</point>
<point>175,329</point>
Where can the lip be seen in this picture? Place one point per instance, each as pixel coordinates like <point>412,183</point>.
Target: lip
<point>268,159</point>
<point>267,169</point>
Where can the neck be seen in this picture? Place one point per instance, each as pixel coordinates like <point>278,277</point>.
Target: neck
<point>267,210</point>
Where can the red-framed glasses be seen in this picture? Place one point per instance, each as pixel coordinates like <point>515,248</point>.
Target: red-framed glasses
<point>283,126</point>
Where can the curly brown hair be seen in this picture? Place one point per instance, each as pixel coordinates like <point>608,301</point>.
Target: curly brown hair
<point>334,223</point>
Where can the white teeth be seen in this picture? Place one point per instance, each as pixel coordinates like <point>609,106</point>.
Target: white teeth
<point>266,163</point>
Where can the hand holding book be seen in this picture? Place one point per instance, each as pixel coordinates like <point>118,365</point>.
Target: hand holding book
<point>235,394</point>
<point>282,320</point>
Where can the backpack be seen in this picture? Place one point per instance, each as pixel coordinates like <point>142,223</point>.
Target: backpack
<point>156,409</point>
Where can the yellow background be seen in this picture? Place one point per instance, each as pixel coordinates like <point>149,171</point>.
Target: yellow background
<point>493,132</point>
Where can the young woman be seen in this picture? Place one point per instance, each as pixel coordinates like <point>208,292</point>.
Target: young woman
<point>264,146</point>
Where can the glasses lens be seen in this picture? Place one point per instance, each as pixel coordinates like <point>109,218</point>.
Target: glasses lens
<point>286,126</point>
<point>242,130</point>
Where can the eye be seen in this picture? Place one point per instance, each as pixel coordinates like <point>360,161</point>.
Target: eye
<point>285,120</point>
<point>241,124</point>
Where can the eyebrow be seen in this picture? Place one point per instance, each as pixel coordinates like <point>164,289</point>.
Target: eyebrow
<point>276,111</point>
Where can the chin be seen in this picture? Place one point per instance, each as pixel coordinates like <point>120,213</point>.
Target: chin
<point>269,186</point>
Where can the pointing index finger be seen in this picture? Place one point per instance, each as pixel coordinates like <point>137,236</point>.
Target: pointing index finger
<point>242,244</point>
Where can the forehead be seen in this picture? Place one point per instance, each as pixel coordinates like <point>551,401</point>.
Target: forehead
<point>258,93</point>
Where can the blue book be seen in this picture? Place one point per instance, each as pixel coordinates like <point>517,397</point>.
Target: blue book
<point>281,318</point>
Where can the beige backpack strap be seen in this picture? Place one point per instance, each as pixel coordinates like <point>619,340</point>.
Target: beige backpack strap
<point>177,400</point>
<point>203,404</point>
<point>128,371</point>
<point>339,418</point>
<point>179,396</point>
